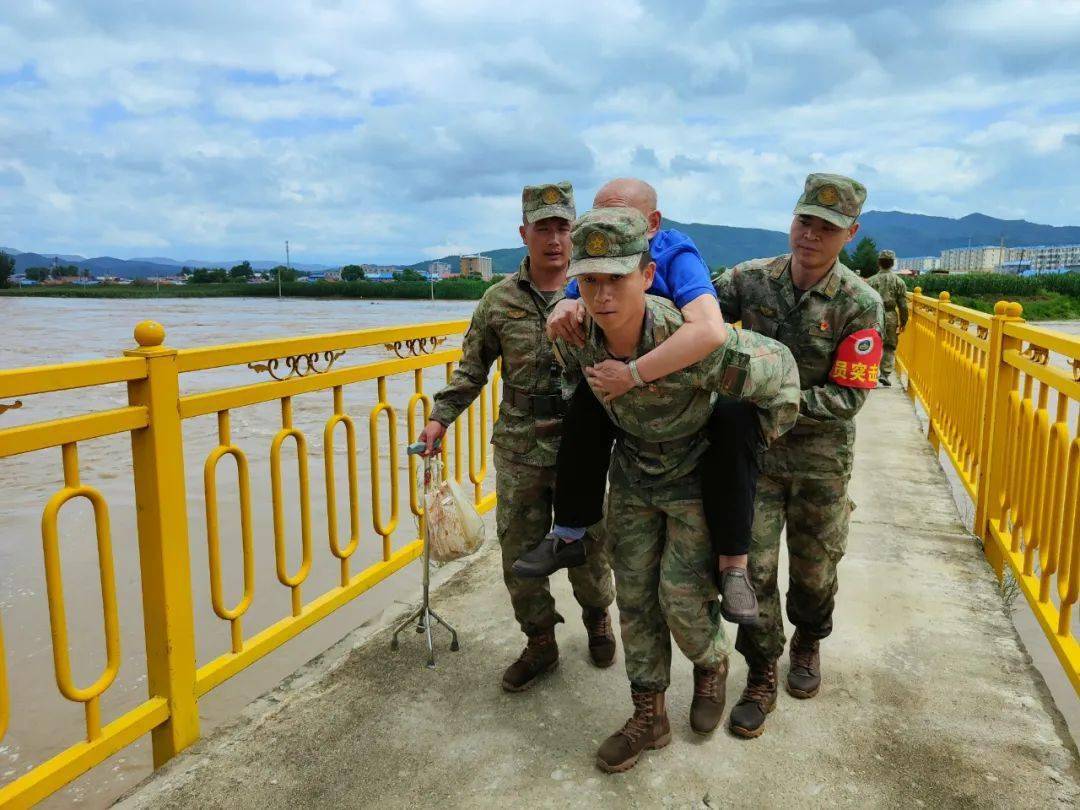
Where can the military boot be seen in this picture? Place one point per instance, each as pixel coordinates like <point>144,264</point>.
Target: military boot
<point>648,728</point>
<point>707,707</point>
<point>539,656</point>
<point>601,638</point>
<point>804,676</point>
<point>758,699</point>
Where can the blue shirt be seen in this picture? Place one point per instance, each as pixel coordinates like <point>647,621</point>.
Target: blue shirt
<point>681,273</point>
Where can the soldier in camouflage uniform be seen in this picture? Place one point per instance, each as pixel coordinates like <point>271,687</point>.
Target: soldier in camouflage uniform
<point>509,323</point>
<point>660,545</point>
<point>893,294</point>
<point>831,320</point>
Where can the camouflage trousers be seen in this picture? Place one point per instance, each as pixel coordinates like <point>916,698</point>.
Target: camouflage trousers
<point>663,560</point>
<point>816,512</point>
<point>523,516</point>
<point>889,342</point>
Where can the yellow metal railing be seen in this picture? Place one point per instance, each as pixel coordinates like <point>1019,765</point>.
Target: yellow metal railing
<point>1003,403</point>
<point>153,417</point>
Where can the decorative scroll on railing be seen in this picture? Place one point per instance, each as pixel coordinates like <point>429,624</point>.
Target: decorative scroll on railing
<point>298,365</point>
<point>154,419</point>
<point>415,346</point>
<point>1006,415</point>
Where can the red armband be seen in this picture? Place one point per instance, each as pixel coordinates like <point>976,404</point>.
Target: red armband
<point>857,361</point>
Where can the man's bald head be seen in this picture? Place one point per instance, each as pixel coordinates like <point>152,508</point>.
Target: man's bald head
<point>629,192</point>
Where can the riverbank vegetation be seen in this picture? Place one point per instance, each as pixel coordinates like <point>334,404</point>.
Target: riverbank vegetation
<point>1044,297</point>
<point>451,289</point>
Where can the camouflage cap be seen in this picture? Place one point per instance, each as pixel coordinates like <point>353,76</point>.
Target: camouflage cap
<point>551,200</point>
<point>886,259</point>
<point>609,241</point>
<point>833,197</point>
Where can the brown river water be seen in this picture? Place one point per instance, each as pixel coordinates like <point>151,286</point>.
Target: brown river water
<point>44,331</point>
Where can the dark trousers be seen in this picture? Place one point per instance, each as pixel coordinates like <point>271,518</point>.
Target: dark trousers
<point>729,468</point>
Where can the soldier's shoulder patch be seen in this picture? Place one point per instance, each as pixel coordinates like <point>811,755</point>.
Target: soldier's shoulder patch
<point>736,370</point>
<point>857,361</point>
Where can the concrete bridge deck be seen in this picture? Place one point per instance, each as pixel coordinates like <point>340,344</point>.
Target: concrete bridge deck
<point>929,699</point>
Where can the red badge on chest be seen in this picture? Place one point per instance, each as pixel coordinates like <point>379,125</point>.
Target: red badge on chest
<point>858,360</point>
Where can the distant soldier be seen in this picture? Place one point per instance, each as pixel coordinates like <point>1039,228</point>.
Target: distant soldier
<point>893,294</point>
<point>661,551</point>
<point>832,321</point>
<point>509,323</point>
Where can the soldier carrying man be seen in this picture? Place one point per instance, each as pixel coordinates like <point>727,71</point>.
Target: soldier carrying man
<point>894,297</point>
<point>659,542</point>
<point>831,321</point>
<point>509,323</point>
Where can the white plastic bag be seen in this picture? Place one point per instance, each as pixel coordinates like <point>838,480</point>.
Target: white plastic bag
<point>454,527</point>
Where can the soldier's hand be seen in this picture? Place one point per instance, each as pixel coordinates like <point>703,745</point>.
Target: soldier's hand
<point>566,321</point>
<point>432,432</point>
<point>609,379</point>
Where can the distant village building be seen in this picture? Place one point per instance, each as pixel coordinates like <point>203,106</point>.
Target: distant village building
<point>439,270</point>
<point>476,266</point>
<point>918,264</point>
<point>998,259</point>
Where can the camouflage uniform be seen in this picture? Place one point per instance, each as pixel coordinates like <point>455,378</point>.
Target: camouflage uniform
<point>656,526</point>
<point>509,323</point>
<point>893,294</point>
<point>804,475</point>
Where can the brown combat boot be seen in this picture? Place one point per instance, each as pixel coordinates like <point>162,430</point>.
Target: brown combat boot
<point>648,728</point>
<point>758,699</point>
<point>601,638</point>
<point>804,675</point>
<point>707,707</point>
<point>540,656</point>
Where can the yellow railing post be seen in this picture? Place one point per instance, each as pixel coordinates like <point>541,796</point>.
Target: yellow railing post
<point>931,395</point>
<point>1000,380</point>
<point>161,506</point>
<point>910,340</point>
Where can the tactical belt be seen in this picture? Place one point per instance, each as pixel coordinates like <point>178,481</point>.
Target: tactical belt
<point>542,406</point>
<point>641,447</point>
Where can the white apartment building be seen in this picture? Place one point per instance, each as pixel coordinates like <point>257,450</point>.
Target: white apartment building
<point>996,259</point>
<point>918,264</point>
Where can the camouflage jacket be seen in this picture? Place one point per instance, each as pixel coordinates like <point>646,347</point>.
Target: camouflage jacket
<point>760,294</point>
<point>893,293</point>
<point>508,323</point>
<point>658,423</point>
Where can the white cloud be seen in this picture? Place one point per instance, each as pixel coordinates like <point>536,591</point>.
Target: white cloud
<point>392,131</point>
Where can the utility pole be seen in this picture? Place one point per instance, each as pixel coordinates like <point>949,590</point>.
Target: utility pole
<point>287,264</point>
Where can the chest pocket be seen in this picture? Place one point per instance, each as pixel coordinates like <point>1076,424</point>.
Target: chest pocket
<point>761,319</point>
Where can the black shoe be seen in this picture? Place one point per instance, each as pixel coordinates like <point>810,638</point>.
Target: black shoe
<point>738,601</point>
<point>552,554</point>
<point>885,382</point>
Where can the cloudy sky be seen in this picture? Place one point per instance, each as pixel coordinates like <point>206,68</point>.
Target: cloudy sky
<point>396,131</point>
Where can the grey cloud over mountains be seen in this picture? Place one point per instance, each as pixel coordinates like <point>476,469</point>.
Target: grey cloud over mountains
<point>385,131</point>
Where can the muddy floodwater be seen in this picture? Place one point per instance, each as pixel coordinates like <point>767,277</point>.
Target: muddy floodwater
<point>45,331</point>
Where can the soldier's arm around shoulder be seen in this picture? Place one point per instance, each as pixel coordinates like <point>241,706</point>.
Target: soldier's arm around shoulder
<point>758,369</point>
<point>479,350</point>
<point>833,400</point>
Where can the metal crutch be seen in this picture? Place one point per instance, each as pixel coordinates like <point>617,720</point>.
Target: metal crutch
<point>424,614</point>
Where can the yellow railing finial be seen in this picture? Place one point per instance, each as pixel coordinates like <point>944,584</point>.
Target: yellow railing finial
<point>149,334</point>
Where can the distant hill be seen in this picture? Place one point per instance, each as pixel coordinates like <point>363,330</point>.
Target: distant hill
<point>920,235</point>
<point>907,234</point>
